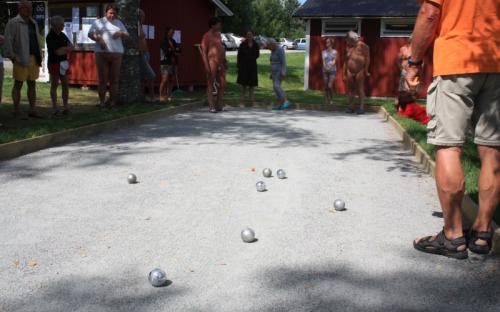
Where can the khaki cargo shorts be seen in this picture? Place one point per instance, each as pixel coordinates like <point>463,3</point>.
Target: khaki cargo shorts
<point>462,104</point>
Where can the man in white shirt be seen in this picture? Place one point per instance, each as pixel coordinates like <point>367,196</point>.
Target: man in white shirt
<point>108,32</point>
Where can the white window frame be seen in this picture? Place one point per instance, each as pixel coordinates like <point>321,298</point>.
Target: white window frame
<point>341,20</point>
<point>385,21</point>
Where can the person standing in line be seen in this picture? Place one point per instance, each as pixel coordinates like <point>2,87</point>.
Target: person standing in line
<point>170,51</point>
<point>22,47</point>
<point>329,57</point>
<point>214,59</point>
<point>248,53</point>
<point>108,32</point>
<point>464,95</point>
<point>147,73</point>
<point>58,46</point>
<point>278,73</point>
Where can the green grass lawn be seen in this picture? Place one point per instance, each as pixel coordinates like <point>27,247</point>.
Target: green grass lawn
<point>84,112</point>
<point>293,84</point>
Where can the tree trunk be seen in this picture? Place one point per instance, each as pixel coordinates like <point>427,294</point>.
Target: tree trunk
<point>130,89</point>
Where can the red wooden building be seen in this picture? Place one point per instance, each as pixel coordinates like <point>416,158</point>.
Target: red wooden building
<point>384,25</point>
<point>189,17</point>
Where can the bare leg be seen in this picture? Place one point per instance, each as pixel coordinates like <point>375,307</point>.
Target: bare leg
<point>450,183</point>
<point>65,92</point>
<point>170,86</point>
<point>114,78</point>
<point>103,73</point>
<point>360,85</point>
<point>16,97</point>
<point>54,83</point>
<point>489,188</point>
<point>32,94</point>
<point>222,86</point>
<point>163,85</point>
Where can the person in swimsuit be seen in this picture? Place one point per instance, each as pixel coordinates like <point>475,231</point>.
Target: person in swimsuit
<point>357,62</point>
<point>329,57</point>
<point>215,62</point>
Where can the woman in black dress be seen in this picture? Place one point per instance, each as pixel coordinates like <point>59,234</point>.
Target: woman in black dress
<point>248,53</point>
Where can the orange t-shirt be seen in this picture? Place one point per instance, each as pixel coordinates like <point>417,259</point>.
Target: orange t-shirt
<point>468,37</point>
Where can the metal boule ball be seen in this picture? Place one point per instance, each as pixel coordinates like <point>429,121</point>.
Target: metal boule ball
<point>261,186</point>
<point>281,174</point>
<point>339,205</point>
<point>248,235</point>
<point>157,277</point>
<point>132,179</point>
<point>267,172</point>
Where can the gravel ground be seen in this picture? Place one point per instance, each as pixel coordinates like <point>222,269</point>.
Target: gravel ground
<point>76,237</point>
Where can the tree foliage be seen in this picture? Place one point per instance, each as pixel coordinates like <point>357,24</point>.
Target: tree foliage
<point>272,18</point>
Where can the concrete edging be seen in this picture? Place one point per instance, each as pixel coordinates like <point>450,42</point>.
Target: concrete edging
<point>469,207</point>
<point>19,148</point>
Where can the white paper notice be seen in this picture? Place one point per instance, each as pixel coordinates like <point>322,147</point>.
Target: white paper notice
<point>68,30</point>
<point>177,36</point>
<point>151,32</point>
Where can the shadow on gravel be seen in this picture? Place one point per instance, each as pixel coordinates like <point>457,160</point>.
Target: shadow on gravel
<point>387,151</point>
<point>236,127</point>
<point>97,293</point>
<point>337,287</point>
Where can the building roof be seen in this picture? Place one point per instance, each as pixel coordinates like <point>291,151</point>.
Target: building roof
<point>358,8</point>
<point>221,6</point>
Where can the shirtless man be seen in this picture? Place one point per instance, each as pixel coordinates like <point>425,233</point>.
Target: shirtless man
<point>214,60</point>
<point>356,65</point>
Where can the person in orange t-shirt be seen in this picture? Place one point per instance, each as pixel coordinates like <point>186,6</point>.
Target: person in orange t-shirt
<point>464,95</point>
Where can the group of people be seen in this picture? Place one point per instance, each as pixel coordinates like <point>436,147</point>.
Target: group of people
<point>21,44</point>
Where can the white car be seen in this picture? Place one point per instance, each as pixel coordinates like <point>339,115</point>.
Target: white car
<point>237,39</point>
<point>301,43</point>
<point>288,44</point>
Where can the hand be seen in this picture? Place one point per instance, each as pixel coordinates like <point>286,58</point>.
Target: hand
<point>367,74</point>
<point>103,44</point>
<point>117,35</point>
<point>412,78</point>
<point>69,48</point>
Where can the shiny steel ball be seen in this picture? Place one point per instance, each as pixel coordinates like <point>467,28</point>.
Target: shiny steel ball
<point>261,186</point>
<point>281,174</point>
<point>339,205</point>
<point>267,173</point>
<point>132,179</point>
<point>157,277</point>
<point>248,235</point>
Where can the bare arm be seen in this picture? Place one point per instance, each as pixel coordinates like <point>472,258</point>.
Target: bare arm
<point>425,29</point>
<point>399,61</point>
<point>204,53</point>
<point>367,60</point>
<point>424,34</point>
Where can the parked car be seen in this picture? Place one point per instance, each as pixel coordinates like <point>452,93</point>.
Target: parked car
<point>228,42</point>
<point>288,44</point>
<point>237,39</point>
<point>301,43</point>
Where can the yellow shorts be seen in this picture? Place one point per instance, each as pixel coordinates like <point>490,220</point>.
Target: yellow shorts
<point>26,73</point>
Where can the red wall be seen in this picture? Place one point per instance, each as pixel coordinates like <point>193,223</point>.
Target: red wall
<point>384,80</point>
<point>189,16</point>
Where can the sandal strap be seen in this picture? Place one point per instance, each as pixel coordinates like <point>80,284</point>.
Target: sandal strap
<point>486,236</point>
<point>453,244</point>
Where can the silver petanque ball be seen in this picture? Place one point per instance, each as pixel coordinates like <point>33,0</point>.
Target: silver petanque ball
<point>261,186</point>
<point>281,174</point>
<point>248,235</point>
<point>267,173</point>
<point>339,205</point>
<point>157,277</point>
<point>132,179</point>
